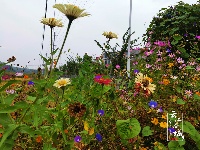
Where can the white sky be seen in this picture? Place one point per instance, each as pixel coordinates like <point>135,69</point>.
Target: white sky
<point>21,30</point>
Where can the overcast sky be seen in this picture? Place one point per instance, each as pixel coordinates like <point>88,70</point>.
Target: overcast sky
<point>21,30</point>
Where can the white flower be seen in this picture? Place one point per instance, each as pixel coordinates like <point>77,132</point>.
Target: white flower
<point>18,74</point>
<point>62,82</point>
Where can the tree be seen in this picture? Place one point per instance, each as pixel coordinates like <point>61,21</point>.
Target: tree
<point>179,25</point>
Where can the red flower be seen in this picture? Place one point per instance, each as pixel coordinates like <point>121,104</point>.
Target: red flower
<point>39,139</point>
<point>100,80</point>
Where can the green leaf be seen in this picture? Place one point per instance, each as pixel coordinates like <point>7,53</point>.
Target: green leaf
<point>7,133</point>
<point>196,97</point>
<point>180,101</point>
<point>146,131</point>
<point>128,129</point>
<point>181,142</point>
<point>8,100</point>
<point>174,145</point>
<point>31,98</point>
<point>54,51</point>
<point>106,89</point>
<point>26,129</point>
<point>41,100</point>
<point>5,120</point>
<point>4,108</point>
<point>189,67</point>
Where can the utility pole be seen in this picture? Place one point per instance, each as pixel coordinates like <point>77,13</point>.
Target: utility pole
<point>128,60</point>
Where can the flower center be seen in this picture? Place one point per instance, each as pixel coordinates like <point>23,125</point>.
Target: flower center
<point>145,82</point>
<point>77,109</point>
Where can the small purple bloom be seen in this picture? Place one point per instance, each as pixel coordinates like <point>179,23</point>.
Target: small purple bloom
<point>101,112</point>
<point>153,104</point>
<point>171,130</point>
<point>30,83</point>
<point>98,137</point>
<point>77,138</point>
<point>168,50</point>
<point>160,110</point>
<point>5,77</point>
<point>136,71</point>
<point>198,37</point>
<point>185,34</point>
<point>98,76</point>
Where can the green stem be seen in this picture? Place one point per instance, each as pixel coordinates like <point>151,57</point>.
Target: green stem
<point>69,25</point>
<point>50,69</point>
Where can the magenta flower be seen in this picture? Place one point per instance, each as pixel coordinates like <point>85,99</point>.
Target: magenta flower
<point>198,68</point>
<point>160,43</point>
<point>198,37</point>
<point>5,77</point>
<point>107,65</point>
<point>148,53</point>
<point>117,66</point>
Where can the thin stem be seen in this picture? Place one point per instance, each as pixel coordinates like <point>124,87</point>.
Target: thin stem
<point>50,69</point>
<point>69,25</point>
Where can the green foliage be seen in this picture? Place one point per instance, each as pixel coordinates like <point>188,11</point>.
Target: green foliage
<point>179,25</point>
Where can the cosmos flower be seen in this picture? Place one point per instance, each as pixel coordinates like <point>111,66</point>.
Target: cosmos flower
<point>160,43</point>
<point>99,79</point>
<point>154,121</point>
<point>77,138</point>
<point>5,77</point>
<point>145,83</point>
<point>72,12</point>
<point>117,66</point>
<point>198,37</point>
<point>62,82</point>
<point>10,91</point>
<point>163,124</point>
<point>101,112</point>
<point>52,22</point>
<point>188,93</point>
<point>110,35</point>
<point>98,137</point>
<point>180,60</point>
<point>153,104</point>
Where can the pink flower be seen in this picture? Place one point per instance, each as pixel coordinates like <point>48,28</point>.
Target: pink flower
<point>188,93</point>
<point>107,65</point>
<point>168,43</point>
<point>148,66</point>
<point>10,91</point>
<point>180,60</point>
<point>137,49</point>
<point>160,43</point>
<point>117,66</point>
<point>148,53</point>
<point>198,68</point>
<point>18,74</point>
<point>148,44</point>
<point>171,55</point>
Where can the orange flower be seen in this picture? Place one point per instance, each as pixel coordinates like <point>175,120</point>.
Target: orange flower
<point>1,134</point>
<point>164,116</point>
<point>66,131</point>
<point>39,139</point>
<point>154,121</point>
<point>198,93</point>
<point>143,148</point>
<point>163,124</point>
<point>166,81</point>
<point>25,76</point>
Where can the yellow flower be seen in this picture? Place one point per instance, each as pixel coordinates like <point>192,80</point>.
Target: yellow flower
<point>164,116</point>
<point>163,124</point>
<point>166,81</point>
<point>145,82</point>
<point>91,131</point>
<point>143,148</point>
<point>110,35</point>
<point>62,82</point>
<point>71,11</point>
<point>154,121</point>
<point>52,22</point>
<point>86,126</point>
<point>171,65</point>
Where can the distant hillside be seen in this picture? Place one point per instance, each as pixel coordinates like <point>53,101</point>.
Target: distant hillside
<point>10,68</point>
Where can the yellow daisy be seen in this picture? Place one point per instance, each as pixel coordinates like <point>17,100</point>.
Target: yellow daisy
<point>71,11</point>
<point>163,124</point>
<point>110,35</point>
<point>62,82</point>
<point>52,22</point>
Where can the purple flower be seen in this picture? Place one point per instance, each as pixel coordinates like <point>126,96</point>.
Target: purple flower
<point>160,110</point>
<point>171,130</point>
<point>98,77</point>
<point>101,112</point>
<point>160,43</point>
<point>30,83</point>
<point>198,37</point>
<point>185,34</point>
<point>168,50</point>
<point>98,137</point>
<point>153,104</point>
<point>117,66</point>
<point>136,71</point>
<point>77,138</point>
<point>5,77</point>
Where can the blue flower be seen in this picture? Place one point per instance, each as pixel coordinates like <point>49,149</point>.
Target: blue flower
<point>98,137</point>
<point>153,104</point>
<point>101,112</point>
<point>168,50</point>
<point>171,130</point>
<point>30,83</point>
<point>77,138</point>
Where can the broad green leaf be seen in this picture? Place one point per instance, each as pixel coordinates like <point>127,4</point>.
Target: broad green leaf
<point>8,100</point>
<point>146,131</point>
<point>41,100</point>
<point>128,129</point>
<point>4,108</point>
<point>181,142</point>
<point>189,67</point>
<point>196,97</point>
<point>5,120</point>
<point>7,133</point>
<point>26,129</point>
<point>174,145</point>
<point>31,98</point>
<point>177,37</point>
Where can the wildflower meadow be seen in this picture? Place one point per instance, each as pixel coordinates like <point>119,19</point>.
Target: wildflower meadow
<point>92,105</point>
